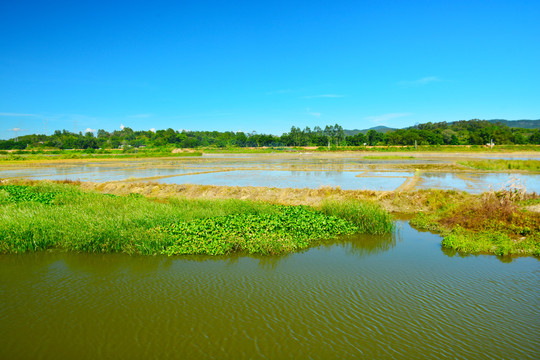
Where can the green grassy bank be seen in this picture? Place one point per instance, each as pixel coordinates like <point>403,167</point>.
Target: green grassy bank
<point>34,155</point>
<point>502,165</point>
<point>51,215</point>
<point>42,215</point>
<point>167,151</point>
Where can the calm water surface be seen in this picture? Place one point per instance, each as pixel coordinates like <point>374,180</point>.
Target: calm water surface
<point>394,297</point>
<point>347,180</point>
<point>478,182</point>
<point>285,171</point>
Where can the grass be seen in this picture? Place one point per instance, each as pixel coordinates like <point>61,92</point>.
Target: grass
<point>502,165</point>
<point>491,223</point>
<point>150,218</point>
<point>382,148</point>
<point>435,148</point>
<point>48,154</point>
<point>21,156</point>
<point>63,216</point>
<point>370,218</point>
<point>490,242</point>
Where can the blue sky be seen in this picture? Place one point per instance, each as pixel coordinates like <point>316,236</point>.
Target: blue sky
<point>264,65</point>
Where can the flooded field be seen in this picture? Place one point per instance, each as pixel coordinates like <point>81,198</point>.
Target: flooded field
<point>397,296</point>
<point>349,171</point>
<point>474,182</point>
<point>385,297</point>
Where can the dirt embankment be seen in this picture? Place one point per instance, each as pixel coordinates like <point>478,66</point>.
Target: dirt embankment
<point>393,201</point>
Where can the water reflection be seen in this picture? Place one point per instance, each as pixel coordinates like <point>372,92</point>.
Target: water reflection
<point>284,171</point>
<point>476,182</point>
<point>452,252</point>
<point>363,245</point>
<point>291,179</point>
<point>361,297</point>
<point>103,264</point>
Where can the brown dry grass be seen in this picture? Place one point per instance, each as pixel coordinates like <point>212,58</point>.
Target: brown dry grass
<point>475,214</point>
<point>496,211</point>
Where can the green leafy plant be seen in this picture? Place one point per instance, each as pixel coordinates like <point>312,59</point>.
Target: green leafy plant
<point>19,193</point>
<point>289,228</point>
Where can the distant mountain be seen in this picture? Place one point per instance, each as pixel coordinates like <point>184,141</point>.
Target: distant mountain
<point>525,124</point>
<point>382,129</point>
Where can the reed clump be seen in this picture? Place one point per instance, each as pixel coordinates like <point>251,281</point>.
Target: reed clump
<point>494,222</point>
<point>369,217</point>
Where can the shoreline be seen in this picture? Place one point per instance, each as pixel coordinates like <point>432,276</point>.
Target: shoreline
<point>501,223</point>
<point>189,154</point>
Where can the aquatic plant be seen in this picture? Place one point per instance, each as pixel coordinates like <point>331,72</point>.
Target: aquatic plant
<point>289,228</point>
<point>18,193</point>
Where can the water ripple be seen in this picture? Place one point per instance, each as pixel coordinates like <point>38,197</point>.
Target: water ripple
<point>324,303</point>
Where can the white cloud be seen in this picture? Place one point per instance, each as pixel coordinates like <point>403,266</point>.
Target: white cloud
<point>16,114</point>
<point>427,80</point>
<point>323,96</point>
<point>423,81</point>
<point>316,114</point>
<point>153,130</point>
<point>122,126</point>
<point>385,117</point>
<point>89,130</point>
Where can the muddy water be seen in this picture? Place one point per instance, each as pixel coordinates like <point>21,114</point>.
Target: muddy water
<point>395,297</point>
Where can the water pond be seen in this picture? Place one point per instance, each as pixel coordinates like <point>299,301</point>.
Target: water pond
<point>475,182</point>
<point>393,297</point>
<point>286,171</point>
<point>347,180</point>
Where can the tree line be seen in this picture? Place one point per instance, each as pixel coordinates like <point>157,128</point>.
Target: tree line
<point>471,132</point>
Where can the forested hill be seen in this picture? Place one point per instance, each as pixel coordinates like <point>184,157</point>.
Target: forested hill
<point>524,124</point>
<point>470,132</point>
<point>382,129</point>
